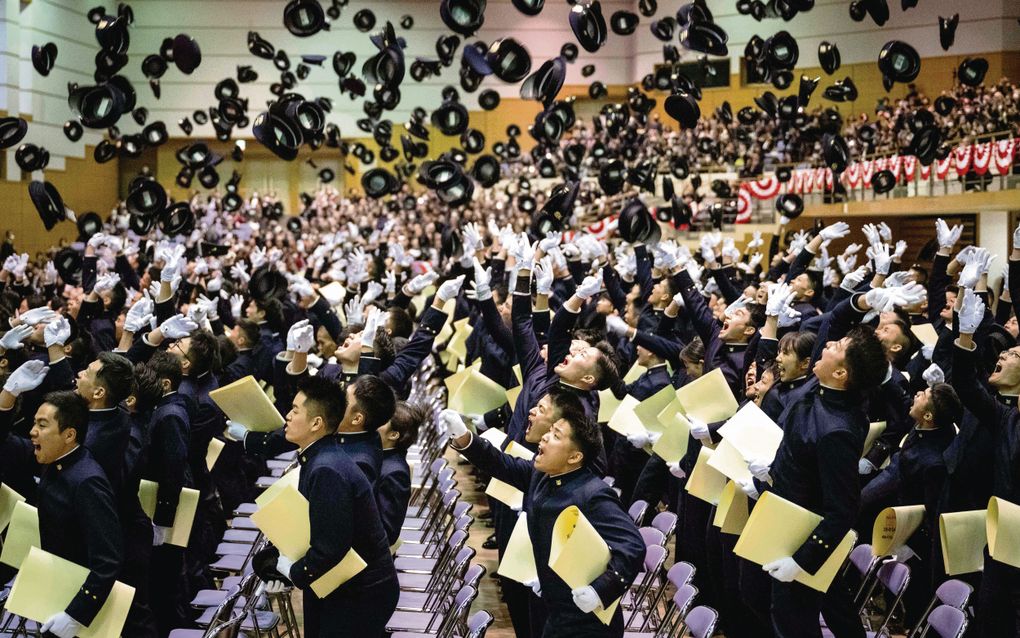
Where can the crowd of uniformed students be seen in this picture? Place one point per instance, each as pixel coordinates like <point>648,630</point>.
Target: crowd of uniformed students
<point>108,373</point>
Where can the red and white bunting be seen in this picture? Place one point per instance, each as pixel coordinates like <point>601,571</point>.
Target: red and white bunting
<point>764,187</point>
<point>743,204</point>
<point>942,166</point>
<point>961,157</point>
<point>852,175</point>
<point>981,155</point>
<point>1003,152</point>
<point>867,170</point>
<point>894,165</point>
<point>909,167</point>
<point>925,172</point>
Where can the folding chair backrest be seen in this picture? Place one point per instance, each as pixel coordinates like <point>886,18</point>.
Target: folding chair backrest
<point>701,621</point>
<point>655,558</point>
<point>224,612</point>
<point>665,522</point>
<point>684,597</point>
<point>637,511</point>
<point>946,622</point>
<point>456,615</point>
<point>673,621</point>
<point>474,574</point>
<point>230,628</point>
<point>680,574</point>
<point>954,593</point>
<point>478,624</point>
<point>894,577</point>
<point>652,536</point>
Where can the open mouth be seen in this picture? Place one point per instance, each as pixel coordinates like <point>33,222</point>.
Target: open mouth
<point>998,368</point>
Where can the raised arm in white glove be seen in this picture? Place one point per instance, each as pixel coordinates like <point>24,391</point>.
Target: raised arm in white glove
<point>933,374</point>
<point>449,289</point>
<point>177,327</point>
<point>972,311</point>
<point>590,287</point>
<point>14,338</point>
<point>28,376</point>
<point>57,332</point>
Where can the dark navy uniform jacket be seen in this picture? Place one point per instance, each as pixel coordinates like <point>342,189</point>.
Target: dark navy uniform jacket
<point>545,497</point>
<point>364,448</point>
<point>206,422</point>
<point>343,516</point>
<point>393,492</point>
<point>239,368</point>
<point>107,440</point>
<point>728,357</point>
<point>270,344</point>
<point>166,457</point>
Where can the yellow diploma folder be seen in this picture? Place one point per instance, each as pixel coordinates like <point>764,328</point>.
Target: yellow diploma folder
<point>706,482</point>
<point>634,373</point>
<point>46,585</point>
<point>672,445</point>
<point>477,394</point>
<point>518,373</point>
<point>894,526</point>
<point>458,342</point>
<point>578,554</point>
<point>963,537</point>
<point>289,478</point>
<point>505,493</point>
<point>925,333</point>
<point>212,453</point>
<point>512,394</point>
<point>624,420</point>
<point>608,403</point>
<point>648,410</point>
<point>708,398</point>
<point>752,433</point>
<point>245,402</point>
<point>284,521</point>
<point>494,436</point>
<point>184,517</point>
<point>731,515</point>
<point>777,528</point>
<point>728,462</point>
<point>8,499</point>
<point>22,535</point>
<point>1003,529</point>
<point>519,451</point>
<point>518,562</point>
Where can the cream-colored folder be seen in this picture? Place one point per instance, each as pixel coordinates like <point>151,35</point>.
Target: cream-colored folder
<point>517,373</point>
<point>46,584</point>
<point>648,411</point>
<point>731,515</point>
<point>519,451</point>
<point>334,293</point>
<point>245,402</point>
<point>455,380</point>
<point>494,436</point>
<point>518,562</point>
<point>1003,529</point>
<point>184,517</point>
<point>634,373</point>
<point>777,528</point>
<point>729,462</point>
<point>672,445</point>
<point>708,398</point>
<point>505,493</point>
<point>22,535</point>
<point>8,499</point>
<point>608,403</point>
<point>212,453</point>
<point>512,394</point>
<point>963,536</point>
<point>289,478</point>
<point>477,394</point>
<point>446,331</point>
<point>284,521</point>
<point>458,342</point>
<point>875,430</point>
<point>925,333</point>
<point>752,433</point>
<point>705,481</point>
<point>578,554</point>
<point>894,526</point>
<point>624,420</point>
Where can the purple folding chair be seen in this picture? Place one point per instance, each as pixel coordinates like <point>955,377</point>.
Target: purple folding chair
<point>946,622</point>
<point>478,624</point>
<point>665,522</point>
<point>652,536</point>
<point>954,593</point>
<point>637,511</point>
<point>894,577</point>
<point>701,621</point>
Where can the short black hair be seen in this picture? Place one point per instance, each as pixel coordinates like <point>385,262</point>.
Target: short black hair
<point>384,348</point>
<point>401,322</point>
<point>375,400</point>
<point>756,314</point>
<point>251,332</point>
<point>606,371</point>
<point>115,376</point>
<point>864,359</point>
<point>909,346</point>
<point>273,310</point>
<point>324,398</point>
<point>945,405</point>
<point>147,389</point>
<point>118,298</point>
<point>802,343</point>
<point>408,418</point>
<point>203,353</point>
<point>166,366</point>
<point>228,351</point>
<point>72,412</point>
<point>564,401</point>
<point>586,435</point>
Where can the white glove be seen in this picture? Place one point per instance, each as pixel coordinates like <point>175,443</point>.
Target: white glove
<point>236,301</point>
<point>586,599</point>
<point>616,326</point>
<point>756,240</point>
<point>178,327</point>
<point>883,260</point>
<point>159,534</point>
<point>551,240</point>
<point>236,431</point>
<point>729,249</point>
<point>872,234</point>
<point>699,430</point>
<point>258,257</point>
<point>283,565</point>
<point>947,237</point>
<point>901,247</point>
<point>57,332</point>
<point>97,241</point>
<point>372,322</point>
<point>865,467</point>
<point>747,487</point>
<point>36,316</point>
<point>789,317</point>
<point>372,292</point>
<point>908,294</point>
<point>274,587</point>
<point>134,323</point>
<point>28,376</point>
<point>784,570</point>
<point>13,338</point>
<point>759,469</point>
<point>524,253</point>
<point>354,310</point>
<point>676,470</point>
<point>449,289</point>
<point>535,585</point>
<point>885,232</point>
<point>834,231</point>
<point>390,281</point>
<point>798,242</point>
<point>421,282</point>
<point>985,263</point>
<point>639,439</point>
<point>590,287</point>
<point>209,307</point>
<point>780,297</point>
<point>11,263</point>
<point>707,247</point>
<point>483,277</point>
<point>854,279</point>
<point>972,311</point>
<point>239,272</point>
<point>301,336</point>
<point>897,279</point>
<point>544,276</point>
<point>171,268</point>
<point>50,273</point>
<point>665,255</point>
<point>933,374</point>
<point>453,423</point>
<point>927,351</point>
<point>62,626</point>
<point>300,287</point>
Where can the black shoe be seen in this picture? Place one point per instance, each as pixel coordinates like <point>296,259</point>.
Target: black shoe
<point>485,516</point>
<point>490,542</point>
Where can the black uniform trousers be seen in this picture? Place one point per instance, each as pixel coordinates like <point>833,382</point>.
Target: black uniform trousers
<point>167,586</point>
<point>361,613</point>
<point>998,604</point>
<point>795,610</point>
